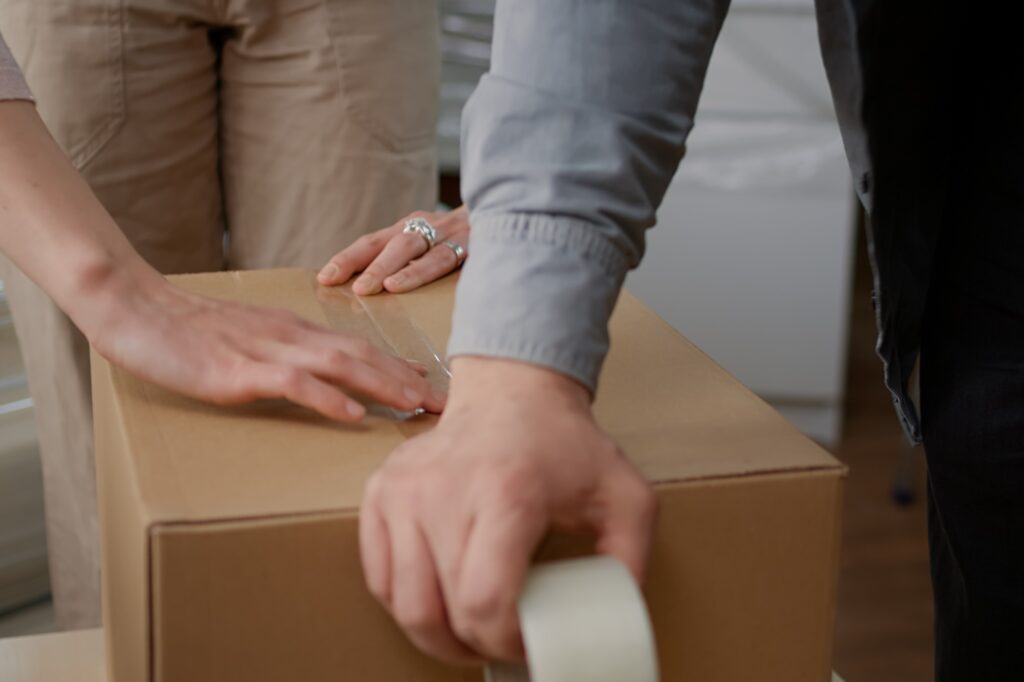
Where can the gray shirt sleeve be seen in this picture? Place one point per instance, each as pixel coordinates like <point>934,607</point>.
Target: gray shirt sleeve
<point>568,145</point>
<point>12,84</point>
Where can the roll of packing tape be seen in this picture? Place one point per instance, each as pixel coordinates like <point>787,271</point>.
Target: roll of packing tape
<point>583,620</point>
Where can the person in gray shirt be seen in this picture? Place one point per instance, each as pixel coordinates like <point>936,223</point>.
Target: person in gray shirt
<point>568,145</point>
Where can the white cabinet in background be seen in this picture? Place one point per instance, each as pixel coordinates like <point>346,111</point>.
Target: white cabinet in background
<point>752,256</point>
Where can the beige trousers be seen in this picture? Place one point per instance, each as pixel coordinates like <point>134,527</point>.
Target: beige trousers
<point>218,133</point>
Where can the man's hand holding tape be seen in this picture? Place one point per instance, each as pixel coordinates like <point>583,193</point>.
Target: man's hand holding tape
<point>449,524</point>
<point>568,146</point>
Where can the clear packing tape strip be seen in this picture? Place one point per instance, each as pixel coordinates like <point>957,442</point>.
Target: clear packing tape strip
<point>583,620</point>
<point>382,321</point>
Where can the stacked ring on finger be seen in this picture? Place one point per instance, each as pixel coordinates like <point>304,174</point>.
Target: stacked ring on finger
<point>423,228</point>
<point>458,249</point>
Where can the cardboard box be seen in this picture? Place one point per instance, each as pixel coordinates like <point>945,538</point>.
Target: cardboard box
<point>229,534</point>
<point>57,657</point>
<point>70,656</point>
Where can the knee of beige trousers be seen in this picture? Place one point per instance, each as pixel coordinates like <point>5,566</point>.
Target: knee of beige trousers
<point>329,114</point>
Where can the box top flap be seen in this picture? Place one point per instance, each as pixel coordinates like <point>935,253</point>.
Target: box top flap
<point>675,412</point>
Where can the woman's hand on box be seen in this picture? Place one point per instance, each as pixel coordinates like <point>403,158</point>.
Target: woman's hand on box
<point>229,353</point>
<point>450,522</point>
<point>396,261</point>
<point>55,231</point>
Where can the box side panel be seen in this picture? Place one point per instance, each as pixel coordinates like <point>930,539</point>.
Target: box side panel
<point>272,600</point>
<point>122,537</point>
<point>742,583</point>
<point>742,586</point>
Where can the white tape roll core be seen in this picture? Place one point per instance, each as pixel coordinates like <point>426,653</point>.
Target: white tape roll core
<point>582,620</point>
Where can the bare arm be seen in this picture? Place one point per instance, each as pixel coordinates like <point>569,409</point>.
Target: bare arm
<point>55,230</point>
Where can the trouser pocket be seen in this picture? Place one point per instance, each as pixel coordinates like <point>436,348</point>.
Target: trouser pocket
<point>71,53</point>
<point>389,66</point>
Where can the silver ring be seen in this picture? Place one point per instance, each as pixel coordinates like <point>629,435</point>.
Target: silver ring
<point>458,250</point>
<point>424,229</point>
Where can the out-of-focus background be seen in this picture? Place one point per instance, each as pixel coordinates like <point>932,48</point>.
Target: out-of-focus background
<point>758,258</point>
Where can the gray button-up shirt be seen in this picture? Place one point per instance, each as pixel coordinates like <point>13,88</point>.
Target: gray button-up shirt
<point>568,145</point>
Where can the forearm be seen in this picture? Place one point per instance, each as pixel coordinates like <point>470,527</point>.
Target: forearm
<point>568,146</point>
<point>54,229</point>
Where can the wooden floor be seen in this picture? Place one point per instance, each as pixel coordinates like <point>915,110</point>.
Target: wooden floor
<point>883,632</point>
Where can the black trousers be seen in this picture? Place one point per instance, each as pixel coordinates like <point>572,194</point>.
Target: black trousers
<point>972,393</point>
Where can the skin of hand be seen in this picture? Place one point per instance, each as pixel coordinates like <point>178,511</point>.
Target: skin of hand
<point>226,353</point>
<point>392,260</point>
<point>450,522</point>
<point>56,231</point>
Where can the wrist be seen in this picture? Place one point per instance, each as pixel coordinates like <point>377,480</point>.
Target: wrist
<point>480,380</point>
<point>104,290</point>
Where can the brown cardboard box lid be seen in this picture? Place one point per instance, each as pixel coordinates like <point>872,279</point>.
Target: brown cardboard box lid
<point>674,412</point>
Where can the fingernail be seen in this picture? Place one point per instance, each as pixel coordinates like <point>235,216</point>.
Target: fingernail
<point>413,397</point>
<point>365,287</point>
<point>356,410</point>
<point>395,280</point>
<point>329,272</point>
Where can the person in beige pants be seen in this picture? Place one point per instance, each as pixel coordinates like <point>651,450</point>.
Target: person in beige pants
<point>219,134</point>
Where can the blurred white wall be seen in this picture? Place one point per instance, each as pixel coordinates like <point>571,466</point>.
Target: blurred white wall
<point>753,253</point>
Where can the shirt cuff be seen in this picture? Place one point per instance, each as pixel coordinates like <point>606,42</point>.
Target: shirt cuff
<point>539,289</point>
